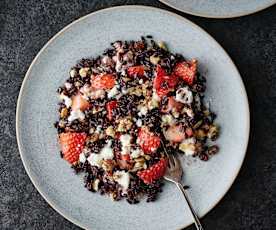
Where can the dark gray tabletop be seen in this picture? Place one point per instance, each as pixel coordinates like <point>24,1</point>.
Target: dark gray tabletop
<point>25,26</point>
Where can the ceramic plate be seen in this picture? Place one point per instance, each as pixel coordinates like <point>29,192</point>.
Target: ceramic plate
<point>219,8</point>
<point>37,111</point>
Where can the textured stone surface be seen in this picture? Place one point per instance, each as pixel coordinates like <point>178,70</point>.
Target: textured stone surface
<point>25,26</point>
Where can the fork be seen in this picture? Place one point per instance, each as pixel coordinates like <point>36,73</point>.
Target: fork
<point>173,174</point>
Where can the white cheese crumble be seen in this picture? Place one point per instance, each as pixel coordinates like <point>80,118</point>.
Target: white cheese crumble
<point>105,154</point>
<point>135,153</point>
<point>125,141</point>
<point>82,158</point>
<point>122,178</point>
<point>139,123</point>
<point>113,92</point>
<point>143,110</point>
<point>184,95</point>
<point>76,114</point>
<point>167,119</point>
<point>67,100</point>
<point>88,92</point>
<point>68,85</point>
<point>188,146</point>
<point>73,73</point>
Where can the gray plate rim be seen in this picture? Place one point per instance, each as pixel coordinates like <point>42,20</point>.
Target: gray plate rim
<point>29,173</point>
<point>206,15</point>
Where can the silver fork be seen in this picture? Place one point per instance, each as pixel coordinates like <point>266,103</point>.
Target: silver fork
<point>173,174</point>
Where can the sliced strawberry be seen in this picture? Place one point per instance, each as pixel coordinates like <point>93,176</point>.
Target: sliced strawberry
<point>175,133</point>
<point>147,140</point>
<point>164,83</point>
<point>106,81</point>
<point>78,102</point>
<point>136,70</point>
<point>72,145</point>
<point>125,164</point>
<point>125,157</point>
<point>110,106</point>
<point>186,70</point>
<point>172,103</point>
<point>154,172</point>
<point>189,132</point>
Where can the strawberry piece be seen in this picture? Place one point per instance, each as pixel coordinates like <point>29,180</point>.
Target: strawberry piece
<point>125,157</point>
<point>189,132</point>
<point>164,83</point>
<point>110,106</point>
<point>147,140</point>
<point>78,102</point>
<point>136,70</point>
<point>72,145</point>
<point>186,70</point>
<point>172,103</point>
<point>106,81</point>
<point>175,133</point>
<point>154,172</point>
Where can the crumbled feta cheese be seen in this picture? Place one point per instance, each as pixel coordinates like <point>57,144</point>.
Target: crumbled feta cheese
<point>139,123</point>
<point>76,114</point>
<point>88,92</point>
<point>122,178</point>
<point>184,95</point>
<point>125,141</point>
<point>188,146</point>
<point>105,154</point>
<point>67,100</point>
<point>167,119</point>
<point>73,73</point>
<point>82,158</point>
<point>143,110</point>
<point>141,81</point>
<point>135,153</point>
<point>68,85</point>
<point>124,90</point>
<point>113,92</point>
<point>83,72</point>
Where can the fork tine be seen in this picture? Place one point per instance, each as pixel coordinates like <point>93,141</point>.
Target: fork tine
<point>171,161</point>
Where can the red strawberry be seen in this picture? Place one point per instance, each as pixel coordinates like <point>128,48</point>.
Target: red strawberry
<point>136,70</point>
<point>72,145</point>
<point>78,102</point>
<point>154,172</point>
<point>186,70</point>
<point>125,157</point>
<point>164,83</point>
<point>172,103</point>
<point>110,106</point>
<point>175,133</point>
<point>147,140</point>
<point>189,132</point>
<point>106,81</point>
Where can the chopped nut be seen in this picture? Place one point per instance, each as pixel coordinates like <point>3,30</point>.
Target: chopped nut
<point>212,150</point>
<point>73,73</point>
<point>108,165</point>
<point>124,124</point>
<point>188,149</point>
<point>154,60</point>
<point>200,134</point>
<point>162,45</point>
<point>63,113</point>
<point>140,159</point>
<point>198,124</point>
<point>110,131</point>
<point>94,137</point>
<point>96,184</point>
<point>83,72</point>
<point>213,132</point>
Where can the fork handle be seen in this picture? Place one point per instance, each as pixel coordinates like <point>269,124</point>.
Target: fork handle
<point>196,219</point>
